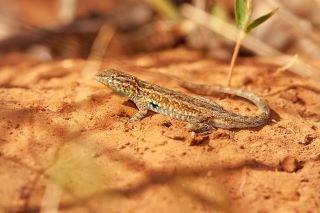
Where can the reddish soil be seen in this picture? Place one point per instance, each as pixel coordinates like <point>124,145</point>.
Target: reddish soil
<point>65,142</point>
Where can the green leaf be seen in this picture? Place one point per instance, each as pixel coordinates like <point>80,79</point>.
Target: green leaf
<point>240,11</point>
<point>255,23</point>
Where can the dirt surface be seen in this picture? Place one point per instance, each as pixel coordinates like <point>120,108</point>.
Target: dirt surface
<point>66,143</point>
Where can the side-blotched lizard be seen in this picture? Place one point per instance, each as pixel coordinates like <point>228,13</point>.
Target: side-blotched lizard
<point>203,114</point>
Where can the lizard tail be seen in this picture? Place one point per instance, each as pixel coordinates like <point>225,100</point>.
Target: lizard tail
<point>241,121</point>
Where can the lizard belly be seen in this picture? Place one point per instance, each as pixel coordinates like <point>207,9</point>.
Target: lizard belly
<point>171,112</point>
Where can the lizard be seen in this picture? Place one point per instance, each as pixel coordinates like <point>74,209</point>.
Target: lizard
<point>202,114</point>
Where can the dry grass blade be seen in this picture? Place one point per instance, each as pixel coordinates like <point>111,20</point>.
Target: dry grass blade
<point>230,32</point>
<point>97,53</point>
<point>301,26</point>
<point>98,49</point>
<point>288,65</point>
<point>66,10</point>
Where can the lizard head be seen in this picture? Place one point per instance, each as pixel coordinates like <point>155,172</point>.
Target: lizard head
<point>120,82</point>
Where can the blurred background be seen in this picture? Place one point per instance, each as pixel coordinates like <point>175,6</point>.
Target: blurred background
<point>46,30</point>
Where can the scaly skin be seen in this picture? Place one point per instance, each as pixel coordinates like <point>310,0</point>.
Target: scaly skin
<point>203,114</point>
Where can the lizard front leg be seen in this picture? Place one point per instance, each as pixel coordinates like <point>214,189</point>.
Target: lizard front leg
<point>143,110</point>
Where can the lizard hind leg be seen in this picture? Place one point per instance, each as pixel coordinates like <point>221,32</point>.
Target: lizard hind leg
<point>201,128</point>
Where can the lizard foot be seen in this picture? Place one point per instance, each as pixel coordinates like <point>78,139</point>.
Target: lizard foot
<point>201,128</point>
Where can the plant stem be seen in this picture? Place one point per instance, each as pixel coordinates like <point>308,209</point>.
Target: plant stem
<point>234,56</point>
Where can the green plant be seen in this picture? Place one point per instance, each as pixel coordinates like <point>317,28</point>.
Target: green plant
<point>243,12</point>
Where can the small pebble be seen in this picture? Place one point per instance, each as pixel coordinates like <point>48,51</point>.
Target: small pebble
<point>290,164</point>
<point>196,140</point>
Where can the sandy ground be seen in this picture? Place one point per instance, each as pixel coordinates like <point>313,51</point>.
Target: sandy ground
<point>65,142</point>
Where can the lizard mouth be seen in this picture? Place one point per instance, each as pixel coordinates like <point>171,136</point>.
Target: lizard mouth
<point>102,78</point>
<point>99,78</point>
